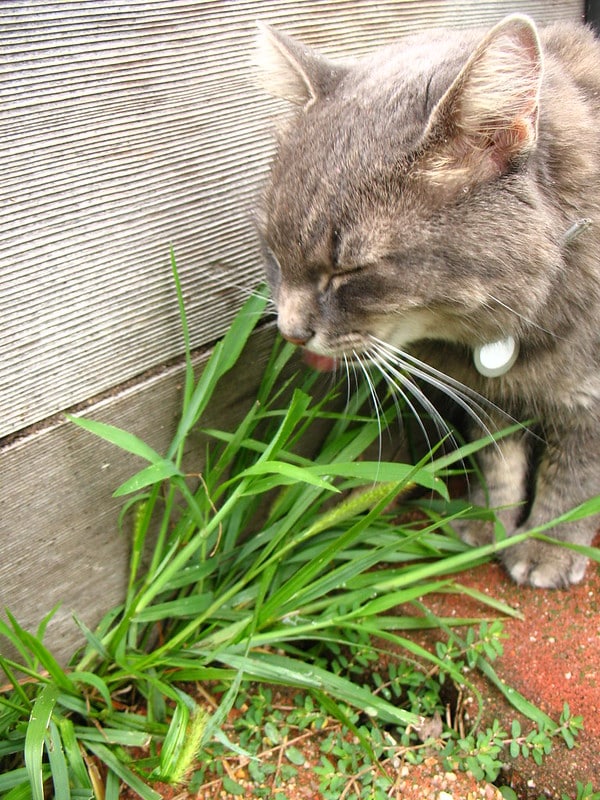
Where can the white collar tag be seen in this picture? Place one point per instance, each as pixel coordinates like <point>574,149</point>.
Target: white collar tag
<point>496,358</point>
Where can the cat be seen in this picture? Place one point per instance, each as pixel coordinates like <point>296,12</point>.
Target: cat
<point>433,210</point>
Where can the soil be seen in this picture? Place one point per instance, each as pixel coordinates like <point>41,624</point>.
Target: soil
<point>426,781</point>
<point>551,656</point>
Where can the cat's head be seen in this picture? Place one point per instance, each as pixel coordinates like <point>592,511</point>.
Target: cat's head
<point>399,204</point>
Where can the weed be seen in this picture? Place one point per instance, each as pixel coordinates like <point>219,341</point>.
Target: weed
<point>253,578</point>
<point>584,793</point>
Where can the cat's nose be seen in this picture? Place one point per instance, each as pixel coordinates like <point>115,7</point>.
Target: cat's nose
<point>299,338</point>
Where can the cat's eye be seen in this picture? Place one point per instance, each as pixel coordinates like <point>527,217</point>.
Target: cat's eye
<point>341,275</point>
<point>331,282</point>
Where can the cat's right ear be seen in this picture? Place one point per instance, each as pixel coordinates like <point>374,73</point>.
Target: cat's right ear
<point>487,120</point>
<point>291,70</point>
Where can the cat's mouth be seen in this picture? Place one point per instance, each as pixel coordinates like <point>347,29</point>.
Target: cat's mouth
<point>319,362</point>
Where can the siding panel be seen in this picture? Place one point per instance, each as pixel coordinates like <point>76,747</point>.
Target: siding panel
<point>127,127</point>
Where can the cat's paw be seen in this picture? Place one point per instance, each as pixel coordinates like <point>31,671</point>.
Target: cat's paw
<point>475,532</point>
<point>543,565</point>
<point>478,532</point>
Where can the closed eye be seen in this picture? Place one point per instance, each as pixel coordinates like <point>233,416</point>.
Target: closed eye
<point>342,275</point>
<point>332,281</point>
<point>349,270</point>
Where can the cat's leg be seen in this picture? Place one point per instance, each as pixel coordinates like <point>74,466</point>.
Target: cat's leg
<point>567,475</point>
<point>504,468</point>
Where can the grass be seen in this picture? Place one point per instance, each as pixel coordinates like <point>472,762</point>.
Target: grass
<point>248,574</point>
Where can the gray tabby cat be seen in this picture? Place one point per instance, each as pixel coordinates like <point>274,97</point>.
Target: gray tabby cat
<point>434,208</point>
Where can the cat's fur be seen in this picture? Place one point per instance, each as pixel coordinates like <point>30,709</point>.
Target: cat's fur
<point>418,203</point>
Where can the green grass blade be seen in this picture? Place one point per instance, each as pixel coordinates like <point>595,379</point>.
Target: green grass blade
<point>282,473</point>
<point>127,738</point>
<point>73,755</point>
<point>371,628</point>
<point>13,680</point>
<point>223,358</point>
<point>461,453</point>
<point>94,641</point>
<point>182,742</point>
<point>390,600</point>
<point>515,698</point>
<point>292,589</point>
<point>117,436</point>
<point>384,472</point>
<point>23,791</point>
<point>96,682</point>
<point>590,552</point>
<point>41,628</point>
<point>338,713</point>
<point>58,763</point>
<point>174,742</point>
<point>39,723</point>
<point>123,772</point>
<point>15,778</point>
<point>17,642</point>
<point>294,414</point>
<point>112,787</point>
<point>155,473</point>
<point>484,599</point>
<point>281,354</point>
<point>186,606</point>
<point>159,469</point>
<point>331,579</point>
<point>274,668</point>
<point>43,655</point>
<point>582,511</point>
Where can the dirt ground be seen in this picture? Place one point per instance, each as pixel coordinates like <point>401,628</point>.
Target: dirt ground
<point>552,656</point>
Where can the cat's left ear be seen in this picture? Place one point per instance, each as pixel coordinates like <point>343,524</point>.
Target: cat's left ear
<point>291,70</point>
<point>487,120</point>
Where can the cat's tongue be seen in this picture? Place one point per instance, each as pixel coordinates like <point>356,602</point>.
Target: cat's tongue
<point>319,362</point>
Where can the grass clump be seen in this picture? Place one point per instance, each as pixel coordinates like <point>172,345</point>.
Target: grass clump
<point>246,575</point>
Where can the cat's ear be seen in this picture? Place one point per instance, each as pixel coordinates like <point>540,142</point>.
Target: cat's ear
<point>291,70</point>
<point>487,120</point>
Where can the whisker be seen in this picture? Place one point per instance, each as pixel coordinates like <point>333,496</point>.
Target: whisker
<point>468,395</point>
<point>347,368</point>
<point>401,380</point>
<point>398,382</point>
<point>381,358</point>
<point>347,364</point>
<point>251,291</point>
<point>376,402</point>
<point>468,399</point>
<point>396,389</point>
<point>524,318</point>
<point>353,365</point>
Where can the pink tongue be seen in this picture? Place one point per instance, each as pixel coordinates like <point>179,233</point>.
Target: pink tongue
<point>319,362</point>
